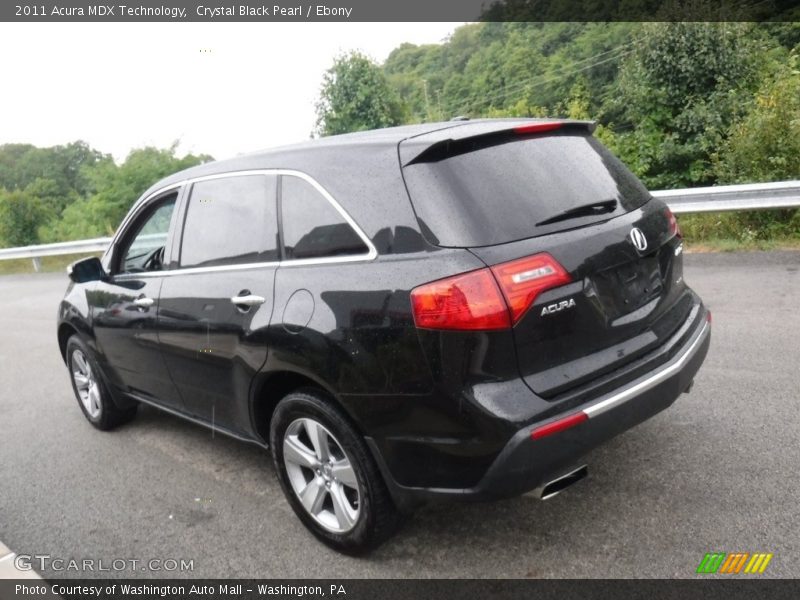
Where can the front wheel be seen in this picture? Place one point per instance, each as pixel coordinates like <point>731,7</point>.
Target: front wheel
<point>328,475</point>
<point>92,395</point>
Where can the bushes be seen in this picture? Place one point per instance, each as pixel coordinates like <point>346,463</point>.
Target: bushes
<point>763,146</point>
<point>20,215</point>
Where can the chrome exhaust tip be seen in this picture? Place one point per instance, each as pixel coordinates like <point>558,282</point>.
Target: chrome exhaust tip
<point>559,484</point>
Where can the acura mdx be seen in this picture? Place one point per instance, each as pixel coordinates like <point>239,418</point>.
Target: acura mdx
<point>455,310</point>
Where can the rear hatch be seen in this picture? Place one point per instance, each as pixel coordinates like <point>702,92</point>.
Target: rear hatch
<point>551,191</point>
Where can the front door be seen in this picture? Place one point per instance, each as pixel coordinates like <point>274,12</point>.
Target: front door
<point>216,307</point>
<point>125,306</point>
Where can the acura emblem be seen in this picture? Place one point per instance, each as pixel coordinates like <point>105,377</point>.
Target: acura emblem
<point>638,239</point>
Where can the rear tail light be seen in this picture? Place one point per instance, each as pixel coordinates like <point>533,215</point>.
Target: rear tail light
<point>488,299</point>
<point>672,223</point>
<point>468,302</point>
<point>523,279</point>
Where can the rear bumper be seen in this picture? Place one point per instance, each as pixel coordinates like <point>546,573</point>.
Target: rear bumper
<point>525,463</point>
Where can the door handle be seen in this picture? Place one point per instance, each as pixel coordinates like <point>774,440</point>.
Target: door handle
<point>144,302</point>
<point>248,300</point>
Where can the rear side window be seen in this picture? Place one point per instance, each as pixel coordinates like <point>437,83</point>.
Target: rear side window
<point>498,193</point>
<point>312,227</point>
<point>232,220</point>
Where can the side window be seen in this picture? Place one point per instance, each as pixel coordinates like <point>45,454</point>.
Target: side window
<point>231,221</point>
<point>312,227</point>
<point>143,248</point>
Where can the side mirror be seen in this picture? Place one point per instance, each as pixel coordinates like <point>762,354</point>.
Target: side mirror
<point>86,269</point>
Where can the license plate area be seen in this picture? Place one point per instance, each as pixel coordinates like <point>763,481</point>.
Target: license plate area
<point>629,286</point>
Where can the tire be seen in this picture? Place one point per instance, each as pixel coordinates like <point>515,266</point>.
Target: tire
<point>350,509</point>
<point>90,390</point>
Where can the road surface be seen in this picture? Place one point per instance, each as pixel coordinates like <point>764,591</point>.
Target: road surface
<point>716,472</point>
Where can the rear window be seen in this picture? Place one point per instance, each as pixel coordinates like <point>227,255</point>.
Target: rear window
<point>312,227</point>
<point>498,193</point>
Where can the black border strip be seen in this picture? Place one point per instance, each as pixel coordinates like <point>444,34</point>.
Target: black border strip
<point>400,10</point>
<point>731,587</point>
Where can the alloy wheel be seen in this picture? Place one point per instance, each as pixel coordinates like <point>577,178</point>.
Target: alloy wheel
<point>322,475</point>
<point>86,384</point>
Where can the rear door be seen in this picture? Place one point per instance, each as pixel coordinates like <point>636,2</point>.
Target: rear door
<point>217,303</point>
<point>514,194</point>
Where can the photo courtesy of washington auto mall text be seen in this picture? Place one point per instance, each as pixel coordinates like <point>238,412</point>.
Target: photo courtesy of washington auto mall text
<point>176,590</point>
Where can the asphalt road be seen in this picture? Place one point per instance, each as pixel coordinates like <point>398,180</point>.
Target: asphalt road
<point>719,471</point>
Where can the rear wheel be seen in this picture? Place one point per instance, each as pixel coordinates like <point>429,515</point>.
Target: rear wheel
<point>92,395</point>
<point>328,475</point>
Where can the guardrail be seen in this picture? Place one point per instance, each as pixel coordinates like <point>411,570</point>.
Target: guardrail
<point>750,196</point>
<point>35,253</point>
<point>79,247</point>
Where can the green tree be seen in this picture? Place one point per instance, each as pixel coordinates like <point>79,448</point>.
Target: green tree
<point>116,189</point>
<point>356,96</point>
<point>53,197</point>
<point>22,164</point>
<point>679,91</point>
<point>20,216</point>
<point>765,146</point>
<point>515,69</point>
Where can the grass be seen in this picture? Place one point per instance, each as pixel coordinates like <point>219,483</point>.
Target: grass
<point>50,264</point>
<point>739,231</point>
<point>735,245</point>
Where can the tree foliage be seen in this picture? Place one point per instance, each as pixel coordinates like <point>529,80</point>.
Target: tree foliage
<point>20,215</point>
<point>65,166</point>
<point>764,145</point>
<point>356,96</point>
<point>116,188</point>
<point>679,92</point>
<point>512,69</point>
<point>702,96</point>
<point>74,192</point>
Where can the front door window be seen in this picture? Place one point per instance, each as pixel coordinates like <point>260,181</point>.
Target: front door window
<point>143,249</point>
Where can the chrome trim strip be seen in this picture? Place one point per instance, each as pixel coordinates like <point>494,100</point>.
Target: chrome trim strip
<point>625,395</point>
<point>194,270</point>
<point>244,266</point>
<point>371,254</point>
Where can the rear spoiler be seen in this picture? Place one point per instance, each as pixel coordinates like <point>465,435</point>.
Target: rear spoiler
<point>474,135</point>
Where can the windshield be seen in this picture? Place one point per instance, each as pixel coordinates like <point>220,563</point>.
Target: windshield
<point>498,193</point>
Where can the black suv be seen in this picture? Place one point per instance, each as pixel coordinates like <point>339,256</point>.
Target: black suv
<point>451,310</point>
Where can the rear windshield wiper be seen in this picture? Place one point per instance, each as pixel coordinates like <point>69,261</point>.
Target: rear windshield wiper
<point>585,210</point>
